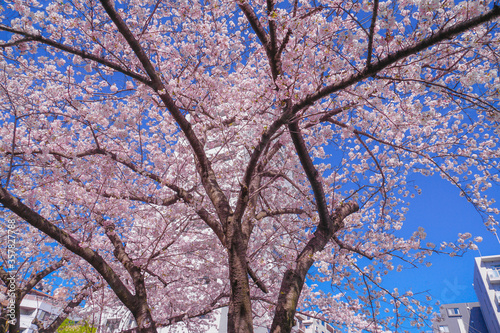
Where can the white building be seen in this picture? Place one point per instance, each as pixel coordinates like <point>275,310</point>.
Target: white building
<point>115,321</point>
<point>39,305</point>
<point>487,287</point>
<point>306,324</point>
<point>480,317</point>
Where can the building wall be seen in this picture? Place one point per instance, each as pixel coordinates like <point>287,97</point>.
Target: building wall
<point>304,324</point>
<point>487,288</point>
<point>460,318</point>
<point>307,324</point>
<point>37,305</point>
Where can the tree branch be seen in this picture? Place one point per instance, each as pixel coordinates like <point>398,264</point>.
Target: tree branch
<point>256,279</point>
<point>270,45</point>
<point>312,175</point>
<point>33,281</point>
<point>253,162</point>
<point>68,309</point>
<point>119,252</point>
<point>213,306</point>
<point>372,32</point>
<point>133,43</point>
<point>294,278</point>
<point>350,248</point>
<point>180,192</point>
<point>205,171</point>
<point>72,50</point>
<point>4,275</point>
<point>69,242</point>
<point>397,56</point>
<point>282,211</point>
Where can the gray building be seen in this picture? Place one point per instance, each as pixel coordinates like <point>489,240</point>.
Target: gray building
<point>478,317</point>
<point>461,318</point>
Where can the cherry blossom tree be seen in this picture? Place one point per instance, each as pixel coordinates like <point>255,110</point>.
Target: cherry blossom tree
<point>199,154</point>
<point>68,307</point>
<point>29,260</point>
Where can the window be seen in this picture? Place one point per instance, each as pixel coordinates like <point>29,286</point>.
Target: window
<point>42,315</point>
<point>494,272</point>
<point>112,325</point>
<point>444,328</point>
<point>27,312</point>
<point>453,312</point>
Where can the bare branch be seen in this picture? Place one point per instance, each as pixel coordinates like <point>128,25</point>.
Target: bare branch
<point>256,279</point>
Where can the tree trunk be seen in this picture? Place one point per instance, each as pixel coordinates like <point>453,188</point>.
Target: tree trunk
<point>293,281</point>
<point>284,315</point>
<point>15,328</point>
<point>240,308</point>
<point>145,323</point>
<point>142,313</point>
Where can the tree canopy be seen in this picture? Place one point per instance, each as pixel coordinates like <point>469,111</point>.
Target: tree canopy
<point>199,154</point>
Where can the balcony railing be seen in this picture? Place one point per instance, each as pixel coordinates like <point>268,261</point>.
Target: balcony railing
<point>497,297</point>
<point>494,276</point>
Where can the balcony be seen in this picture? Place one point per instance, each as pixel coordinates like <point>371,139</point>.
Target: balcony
<point>494,276</point>
<point>497,297</point>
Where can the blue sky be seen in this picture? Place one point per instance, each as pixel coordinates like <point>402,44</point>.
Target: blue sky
<point>444,214</point>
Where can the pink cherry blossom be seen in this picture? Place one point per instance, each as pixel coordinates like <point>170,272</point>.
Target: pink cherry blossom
<point>194,155</point>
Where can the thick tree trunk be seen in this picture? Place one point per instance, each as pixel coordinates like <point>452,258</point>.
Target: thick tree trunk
<point>240,308</point>
<point>284,315</point>
<point>17,325</point>
<point>142,312</point>
<point>294,279</point>
<point>145,323</point>
<point>144,320</point>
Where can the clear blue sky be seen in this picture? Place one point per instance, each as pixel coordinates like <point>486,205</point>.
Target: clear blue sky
<point>444,214</point>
